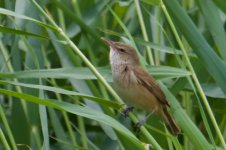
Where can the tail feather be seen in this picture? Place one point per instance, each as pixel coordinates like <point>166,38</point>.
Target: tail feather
<point>170,122</point>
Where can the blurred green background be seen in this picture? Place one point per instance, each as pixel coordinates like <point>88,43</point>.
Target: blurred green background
<point>55,79</point>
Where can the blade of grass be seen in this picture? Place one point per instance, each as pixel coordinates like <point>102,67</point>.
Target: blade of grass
<point>20,32</point>
<point>11,69</point>
<point>144,32</point>
<point>66,92</point>
<point>84,73</point>
<point>44,123</point>
<point>35,132</point>
<point>4,141</point>
<point>76,109</point>
<point>66,117</point>
<point>221,4</point>
<point>11,13</point>
<point>8,130</point>
<point>58,128</point>
<point>212,62</point>
<point>215,25</point>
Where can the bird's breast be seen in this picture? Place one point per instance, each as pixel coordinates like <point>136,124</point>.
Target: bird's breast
<point>126,84</point>
<point>123,75</point>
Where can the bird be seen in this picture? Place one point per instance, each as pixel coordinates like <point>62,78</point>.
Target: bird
<point>136,86</point>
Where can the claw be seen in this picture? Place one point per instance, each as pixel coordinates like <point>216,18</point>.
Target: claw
<point>126,111</point>
<point>139,125</point>
<point>142,122</point>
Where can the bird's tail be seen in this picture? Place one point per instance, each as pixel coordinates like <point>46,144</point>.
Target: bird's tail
<point>170,122</point>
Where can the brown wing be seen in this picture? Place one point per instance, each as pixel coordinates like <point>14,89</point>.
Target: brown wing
<point>149,83</point>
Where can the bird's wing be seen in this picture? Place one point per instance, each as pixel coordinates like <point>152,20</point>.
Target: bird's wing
<point>150,84</point>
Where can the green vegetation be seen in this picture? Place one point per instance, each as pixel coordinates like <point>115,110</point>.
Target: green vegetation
<point>55,79</point>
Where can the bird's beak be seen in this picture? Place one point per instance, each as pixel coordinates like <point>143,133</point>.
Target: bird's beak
<point>108,42</point>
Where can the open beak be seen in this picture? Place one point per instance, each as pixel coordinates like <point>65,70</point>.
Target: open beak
<point>108,42</point>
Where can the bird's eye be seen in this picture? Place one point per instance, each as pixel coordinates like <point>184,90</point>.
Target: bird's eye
<point>121,50</point>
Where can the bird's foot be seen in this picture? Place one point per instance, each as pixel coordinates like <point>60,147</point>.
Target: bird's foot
<point>142,122</point>
<point>126,111</point>
<point>139,125</point>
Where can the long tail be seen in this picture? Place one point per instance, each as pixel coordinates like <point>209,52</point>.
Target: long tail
<point>170,122</point>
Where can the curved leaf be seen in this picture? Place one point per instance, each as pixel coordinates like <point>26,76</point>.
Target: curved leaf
<point>11,13</point>
<point>66,92</point>
<point>77,110</point>
<point>85,74</point>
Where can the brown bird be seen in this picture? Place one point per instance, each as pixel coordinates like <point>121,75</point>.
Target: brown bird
<point>136,86</point>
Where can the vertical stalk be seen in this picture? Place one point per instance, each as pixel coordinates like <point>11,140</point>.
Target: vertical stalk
<point>66,119</point>
<point>157,33</point>
<point>194,77</point>
<point>144,32</point>
<point>10,68</point>
<point>4,141</point>
<point>37,138</point>
<point>8,130</point>
<point>82,128</point>
<point>61,18</point>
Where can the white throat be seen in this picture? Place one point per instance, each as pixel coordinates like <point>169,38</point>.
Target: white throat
<point>116,58</point>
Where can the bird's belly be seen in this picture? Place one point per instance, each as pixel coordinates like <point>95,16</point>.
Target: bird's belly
<point>139,97</point>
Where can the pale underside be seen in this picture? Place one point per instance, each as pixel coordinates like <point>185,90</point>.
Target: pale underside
<point>131,91</point>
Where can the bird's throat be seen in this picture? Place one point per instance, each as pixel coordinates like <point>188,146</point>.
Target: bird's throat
<point>119,71</point>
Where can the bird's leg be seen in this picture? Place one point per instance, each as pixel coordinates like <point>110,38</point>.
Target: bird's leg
<point>126,111</point>
<point>142,122</point>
